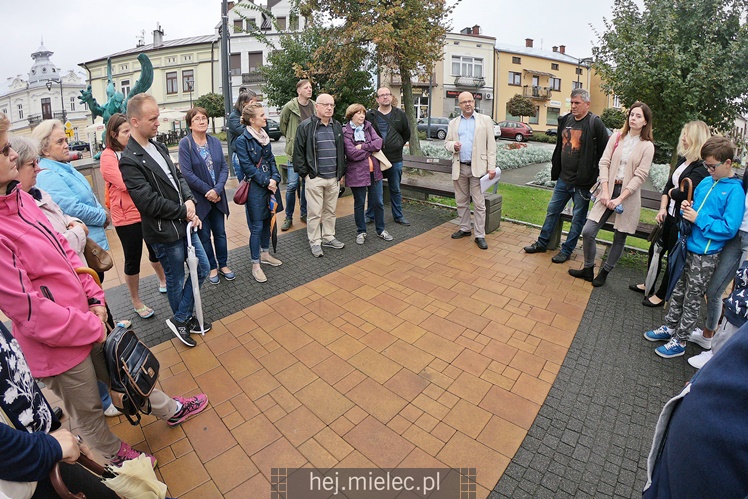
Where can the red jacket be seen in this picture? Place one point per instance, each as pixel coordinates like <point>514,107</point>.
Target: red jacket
<point>40,291</point>
<point>121,207</point>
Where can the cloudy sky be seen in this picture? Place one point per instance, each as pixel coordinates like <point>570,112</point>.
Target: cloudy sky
<point>78,30</point>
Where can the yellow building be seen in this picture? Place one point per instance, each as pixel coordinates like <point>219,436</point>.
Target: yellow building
<point>545,76</point>
<point>183,70</point>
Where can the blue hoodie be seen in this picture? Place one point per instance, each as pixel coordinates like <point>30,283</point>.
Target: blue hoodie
<point>720,205</point>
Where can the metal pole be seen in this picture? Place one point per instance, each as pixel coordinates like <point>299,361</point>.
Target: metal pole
<point>431,84</point>
<point>225,78</point>
<point>62,101</point>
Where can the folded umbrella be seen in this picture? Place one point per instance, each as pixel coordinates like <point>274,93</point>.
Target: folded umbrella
<point>654,260</point>
<point>135,479</point>
<point>192,265</point>
<point>676,259</point>
<point>273,206</point>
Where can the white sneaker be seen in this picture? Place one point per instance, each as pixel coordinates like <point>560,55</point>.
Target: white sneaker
<point>697,336</point>
<point>385,235</point>
<point>361,238</point>
<point>698,361</point>
<point>112,411</point>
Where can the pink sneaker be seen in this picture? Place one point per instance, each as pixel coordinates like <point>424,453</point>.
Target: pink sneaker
<point>126,453</point>
<point>190,407</point>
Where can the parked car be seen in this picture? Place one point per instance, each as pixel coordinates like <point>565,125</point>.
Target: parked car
<point>274,130</point>
<point>438,127</point>
<point>515,130</point>
<point>78,145</point>
<point>552,132</point>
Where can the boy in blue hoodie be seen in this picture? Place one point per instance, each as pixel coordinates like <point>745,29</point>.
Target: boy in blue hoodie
<point>715,216</point>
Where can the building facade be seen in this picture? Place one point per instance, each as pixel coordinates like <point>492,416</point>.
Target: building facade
<point>28,101</point>
<point>468,66</point>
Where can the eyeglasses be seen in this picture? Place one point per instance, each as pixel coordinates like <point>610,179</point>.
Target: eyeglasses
<point>325,104</point>
<point>467,102</point>
<point>711,168</point>
<point>384,95</point>
<point>5,151</point>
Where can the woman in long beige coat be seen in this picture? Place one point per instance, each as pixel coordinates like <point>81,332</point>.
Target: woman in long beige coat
<point>623,169</point>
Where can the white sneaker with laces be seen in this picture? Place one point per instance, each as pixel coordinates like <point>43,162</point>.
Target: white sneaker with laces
<point>112,411</point>
<point>698,361</point>
<point>361,238</point>
<point>697,336</point>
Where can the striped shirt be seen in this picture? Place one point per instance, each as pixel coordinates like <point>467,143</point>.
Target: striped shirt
<point>327,153</point>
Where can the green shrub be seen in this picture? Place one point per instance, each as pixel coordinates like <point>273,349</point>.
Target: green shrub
<point>509,155</point>
<point>658,175</point>
<point>542,137</point>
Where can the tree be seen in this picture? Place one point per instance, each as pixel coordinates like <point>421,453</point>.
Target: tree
<point>213,103</point>
<point>308,54</point>
<point>687,60</point>
<point>613,118</point>
<point>405,36</point>
<point>520,105</point>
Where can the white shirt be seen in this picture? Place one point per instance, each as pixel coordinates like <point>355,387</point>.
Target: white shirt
<point>153,153</point>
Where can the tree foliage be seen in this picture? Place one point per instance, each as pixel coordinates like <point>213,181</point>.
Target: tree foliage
<point>686,59</point>
<point>310,54</point>
<point>613,118</point>
<point>213,103</point>
<point>520,105</point>
<point>405,36</point>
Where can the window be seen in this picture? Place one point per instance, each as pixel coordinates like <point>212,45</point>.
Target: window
<point>467,66</point>
<point>20,111</point>
<point>281,23</point>
<point>579,71</point>
<point>516,60</point>
<point>171,59</point>
<point>251,24</point>
<point>46,108</point>
<point>238,25</point>
<point>554,66</point>
<point>576,84</point>
<point>255,61</point>
<point>534,119</point>
<point>5,112</point>
<point>555,84</point>
<point>616,102</point>
<point>294,22</point>
<point>188,80</point>
<point>552,118</point>
<point>515,78</point>
<point>186,58</point>
<point>235,64</point>
<point>72,103</point>
<point>125,86</point>
<point>172,86</point>
<point>123,67</point>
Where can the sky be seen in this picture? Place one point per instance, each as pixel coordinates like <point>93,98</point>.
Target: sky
<point>79,30</point>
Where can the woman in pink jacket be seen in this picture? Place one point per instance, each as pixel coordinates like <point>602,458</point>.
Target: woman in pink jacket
<point>125,216</point>
<point>59,316</point>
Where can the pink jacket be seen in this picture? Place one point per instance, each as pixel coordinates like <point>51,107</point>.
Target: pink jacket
<point>40,291</point>
<point>121,207</point>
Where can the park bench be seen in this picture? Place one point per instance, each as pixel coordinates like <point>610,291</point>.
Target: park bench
<point>650,199</point>
<point>421,188</point>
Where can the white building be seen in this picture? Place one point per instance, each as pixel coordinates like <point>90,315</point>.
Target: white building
<point>28,101</point>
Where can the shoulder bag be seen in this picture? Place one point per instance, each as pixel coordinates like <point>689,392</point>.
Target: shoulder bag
<point>97,257</point>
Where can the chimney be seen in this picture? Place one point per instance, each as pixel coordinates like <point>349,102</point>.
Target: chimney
<point>555,48</point>
<point>476,30</point>
<point>158,36</point>
<point>528,42</point>
<point>562,49</point>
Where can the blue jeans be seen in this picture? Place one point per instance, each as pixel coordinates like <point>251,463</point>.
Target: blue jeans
<point>562,193</point>
<point>179,292</point>
<point>375,204</point>
<point>259,236</point>
<point>295,183</point>
<point>106,399</point>
<point>730,259</point>
<point>393,176</point>
<point>214,222</point>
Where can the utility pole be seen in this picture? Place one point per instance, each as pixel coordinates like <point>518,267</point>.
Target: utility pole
<point>225,78</point>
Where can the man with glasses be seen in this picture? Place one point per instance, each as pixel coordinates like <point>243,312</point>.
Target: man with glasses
<point>319,157</point>
<point>471,141</point>
<point>294,112</point>
<point>580,143</point>
<point>391,123</point>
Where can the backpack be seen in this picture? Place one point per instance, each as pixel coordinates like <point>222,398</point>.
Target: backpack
<point>133,371</point>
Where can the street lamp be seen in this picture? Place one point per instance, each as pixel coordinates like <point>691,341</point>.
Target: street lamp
<point>62,98</point>
<point>584,63</point>
<point>190,84</point>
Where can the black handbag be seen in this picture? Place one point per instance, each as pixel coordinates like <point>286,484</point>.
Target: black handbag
<point>133,372</point>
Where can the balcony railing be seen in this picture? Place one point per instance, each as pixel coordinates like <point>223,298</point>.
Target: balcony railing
<point>397,80</point>
<point>537,92</point>
<point>34,119</point>
<point>469,81</point>
<point>253,77</point>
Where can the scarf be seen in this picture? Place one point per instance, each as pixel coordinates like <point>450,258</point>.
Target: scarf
<point>358,132</point>
<point>261,136</point>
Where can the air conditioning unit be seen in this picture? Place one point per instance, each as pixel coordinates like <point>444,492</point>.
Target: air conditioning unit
<point>489,95</point>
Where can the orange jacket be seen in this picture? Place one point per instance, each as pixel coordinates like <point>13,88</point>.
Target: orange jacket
<point>121,207</point>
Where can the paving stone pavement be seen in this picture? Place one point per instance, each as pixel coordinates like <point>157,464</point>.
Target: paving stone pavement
<point>299,267</point>
<point>592,436</point>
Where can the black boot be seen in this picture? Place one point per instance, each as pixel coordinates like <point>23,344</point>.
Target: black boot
<point>586,273</point>
<point>600,279</point>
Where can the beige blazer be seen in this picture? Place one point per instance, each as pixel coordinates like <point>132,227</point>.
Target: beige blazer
<point>636,172</point>
<point>484,146</point>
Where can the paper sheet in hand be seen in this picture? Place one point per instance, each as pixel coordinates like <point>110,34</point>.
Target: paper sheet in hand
<point>485,182</point>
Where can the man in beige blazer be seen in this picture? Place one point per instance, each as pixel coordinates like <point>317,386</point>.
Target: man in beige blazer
<point>471,141</point>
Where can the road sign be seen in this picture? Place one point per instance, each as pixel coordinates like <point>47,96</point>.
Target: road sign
<point>70,133</point>
<point>68,125</point>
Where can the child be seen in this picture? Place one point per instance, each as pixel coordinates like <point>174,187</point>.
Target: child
<point>736,314</point>
<point>715,217</point>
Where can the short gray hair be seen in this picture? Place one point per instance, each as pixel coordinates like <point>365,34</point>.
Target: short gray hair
<point>43,131</point>
<point>581,92</point>
<point>27,148</point>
